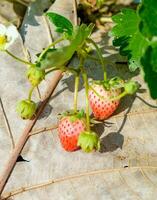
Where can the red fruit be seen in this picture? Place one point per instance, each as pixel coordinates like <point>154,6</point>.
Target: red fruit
<point>69,132</point>
<point>103,107</point>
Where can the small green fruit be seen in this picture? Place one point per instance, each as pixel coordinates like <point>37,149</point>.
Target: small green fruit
<point>26,109</point>
<point>35,75</point>
<point>131,87</point>
<point>88,141</point>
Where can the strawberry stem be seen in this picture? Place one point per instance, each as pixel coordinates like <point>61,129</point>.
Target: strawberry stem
<point>123,94</point>
<point>86,85</point>
<point>100,57</point>
<point>51,70</point>
<point>30,93</point>
<point>93,58</point>
<point>19,59</point>
<point>51,45</point>
<point>85,78</point>
<point>77,78</point>
<point>64,69</point>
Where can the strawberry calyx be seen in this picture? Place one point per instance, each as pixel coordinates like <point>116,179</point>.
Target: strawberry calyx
<point>113,83</point>
<point>73,116</point>
<point>88,141</point>
<point>116,83</point>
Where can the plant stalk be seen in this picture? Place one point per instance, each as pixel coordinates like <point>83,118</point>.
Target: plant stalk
<point>77,78</point>
<point>85,78</point>
<point>30,93</point>
<point>93,58</point>
<point>51,70</point>
<point>123,94</point>
<point>64,69</point>
<point>19,59</point>
<point>100,57</point>
<point>51,45</point>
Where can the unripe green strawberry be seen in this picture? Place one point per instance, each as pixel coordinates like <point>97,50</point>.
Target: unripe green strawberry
<point>131,87</point>
<point>101,104</point>
<point>26,109</point>
<point>35,75</point>
<point>88,141</point>
<point>69,129</point>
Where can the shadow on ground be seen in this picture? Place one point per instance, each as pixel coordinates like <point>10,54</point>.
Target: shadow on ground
<point>115,140</point>
<point>37,8</point>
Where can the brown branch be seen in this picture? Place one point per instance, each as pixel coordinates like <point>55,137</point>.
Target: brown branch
<point>71,177</point>
<point>25,135</point>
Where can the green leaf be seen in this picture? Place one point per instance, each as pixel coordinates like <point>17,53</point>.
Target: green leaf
<point>63,25</point>
<point>149,63</point>
<point>60,56</point>
<point>148,15</point>
<point>81,33</point>
<point>128,37</point>
<point>126,23</point>
<point>153,60</point>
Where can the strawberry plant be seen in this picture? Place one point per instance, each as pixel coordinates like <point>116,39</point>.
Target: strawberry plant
<point>103,96</point>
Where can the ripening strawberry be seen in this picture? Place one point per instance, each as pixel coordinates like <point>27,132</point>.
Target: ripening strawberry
<point>69,129</point>
<point>100,103</point>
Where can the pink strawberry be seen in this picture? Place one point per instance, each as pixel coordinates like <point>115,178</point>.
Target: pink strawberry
<point>100,103</point>
<point>69,130</point>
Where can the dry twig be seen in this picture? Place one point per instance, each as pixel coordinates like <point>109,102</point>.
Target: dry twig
<point>71,177</point>
<point>7,125</point>
<point>45,129</point>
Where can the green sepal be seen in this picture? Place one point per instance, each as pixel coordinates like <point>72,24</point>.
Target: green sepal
<point>88,141</point>
<point>26,109</point>
<point>131,87</point>
<point>35,75</point>
<point>73,115</point>
<point>81,114</point>
<point>105,84</point>
<point>113,83</point>
<point>116,82</point>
